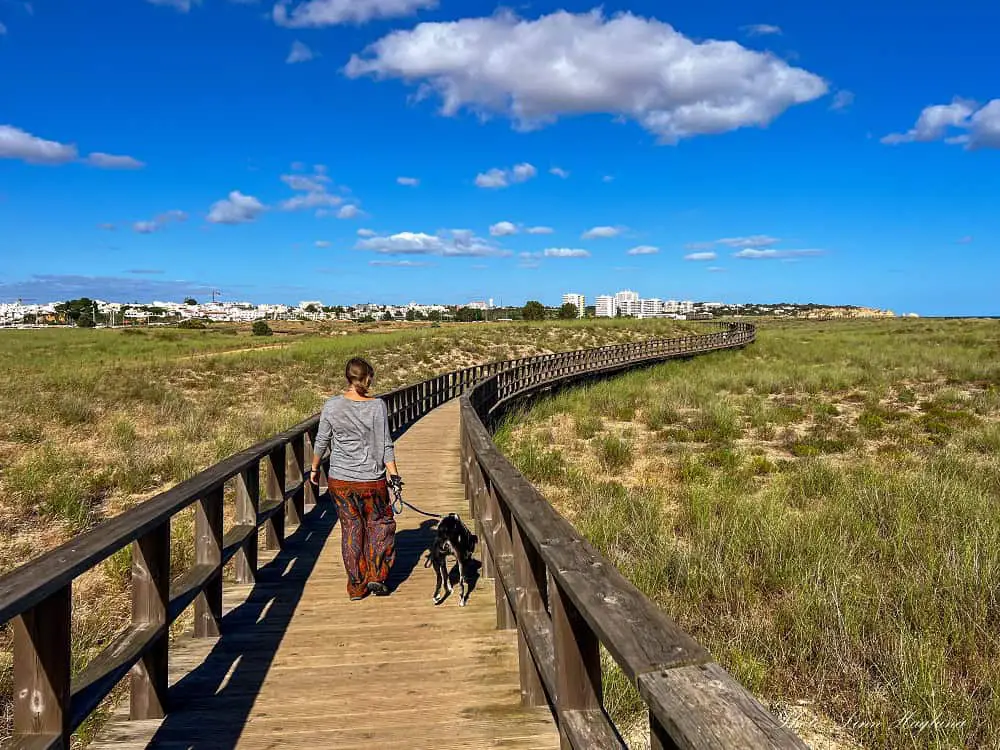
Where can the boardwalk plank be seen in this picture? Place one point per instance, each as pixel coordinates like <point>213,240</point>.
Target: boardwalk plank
<point>299,665</point>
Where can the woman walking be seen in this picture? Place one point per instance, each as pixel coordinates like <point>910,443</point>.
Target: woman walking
<point>355,427</point>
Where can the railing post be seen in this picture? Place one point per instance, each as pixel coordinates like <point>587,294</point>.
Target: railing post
<point>529,574</point>
<point>578,659</point>
<point>275,526</point>
<point>42,669</point>
<point>208,551</point>
<point>499,531</point>
<point>150,597</point>
<point>247,504</point>
<point>293,471</point>
<point>311,492</point>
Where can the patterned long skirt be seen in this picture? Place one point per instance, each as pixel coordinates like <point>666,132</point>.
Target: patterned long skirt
<point>368,531</point>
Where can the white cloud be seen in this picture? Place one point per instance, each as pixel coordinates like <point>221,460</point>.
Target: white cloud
<point>311,200</point>
<point>366,232</point>
<point>334,12</point>
<point>408,181</point>
<point>761,29</point>
<point>3,30</point>
<point>981,125</point>
<point>601,233</point>
<point>322,243</point>
<point>756,240</point>
<point>559,172</point>
<point>237,208</point>
<point>450,243</point>
<point>111,161</point>
<point>299,53</point>
<point>567,64</point>
<point>180,5</point>
<point>501,178</point>
<point>565,252</point>
<point>715,269</point>
<point>503,229</point>
<point>540,230</point>
<point>350,211</point>
<point>701,256</point>
<point>643,250</point>
<point>398,263</point>
<point>311,183</point>
<point>148,227</point>
<point>608,178</point>
<point>772,253</point>
<point>842,100</point>
<point>523,172</point>
<point>18,144</point>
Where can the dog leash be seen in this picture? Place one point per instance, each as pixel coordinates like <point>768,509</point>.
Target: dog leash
<point>396,486</point>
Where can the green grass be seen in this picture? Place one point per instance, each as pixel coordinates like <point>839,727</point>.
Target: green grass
<point>94,421</point>
<point>829,526</point>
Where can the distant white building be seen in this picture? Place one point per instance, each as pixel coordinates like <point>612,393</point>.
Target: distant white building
<point>650,308</point>
<point>578,301</point>
<point>606,307</point>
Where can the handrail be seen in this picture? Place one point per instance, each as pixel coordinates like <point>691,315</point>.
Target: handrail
<point>566,600</point>
<point>268,485</point>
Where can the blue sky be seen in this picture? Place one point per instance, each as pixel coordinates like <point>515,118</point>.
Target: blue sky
<point>744,151</point>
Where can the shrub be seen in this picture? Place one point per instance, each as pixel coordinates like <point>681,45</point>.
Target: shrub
<point>192,324</point>
<point>261,328</point>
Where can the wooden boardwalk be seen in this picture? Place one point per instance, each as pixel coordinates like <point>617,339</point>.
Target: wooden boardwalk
<point>299,665</point>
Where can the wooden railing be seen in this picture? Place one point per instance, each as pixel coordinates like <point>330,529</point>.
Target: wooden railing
<point>566,600</point>
<point>527,543</point>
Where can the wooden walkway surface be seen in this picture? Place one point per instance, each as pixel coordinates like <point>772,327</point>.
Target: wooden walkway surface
<point>299,665</point>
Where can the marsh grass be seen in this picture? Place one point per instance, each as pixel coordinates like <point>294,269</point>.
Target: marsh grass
<point>828,526</point>
<point>94,421</point>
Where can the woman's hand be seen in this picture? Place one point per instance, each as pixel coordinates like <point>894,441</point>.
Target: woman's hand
<point>314,476</point>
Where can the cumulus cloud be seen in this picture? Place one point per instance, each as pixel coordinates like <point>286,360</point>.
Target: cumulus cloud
<point>322,243</point>
<point>334,12</point>
<point>111,161</point>
<point>643,250</point>
<point>756,240</point>
<point>317,199</point>
<point>701,256</point>
<point>408,181</point>
<point>18,144</point>
<point>773,253</point>
<point>167,217</point>
<point>299,53</point>
<point>350,211</point>
<point>448,243</point>
<point>608,178</point>
<point>762,29</point>
<point>366,232</point>
<point>501,178</point>
<point>312,192</point>
<point>503,229</point>
<point>398,263</point>
<point>540,230</point>
<point>559,172</point>
<point>565,64</point>
<point>601,233</point>
<point>979,126</point>
<point>182,6</point>
<point>237,208</point>
<point>842,100</point>
<point>565,252</point>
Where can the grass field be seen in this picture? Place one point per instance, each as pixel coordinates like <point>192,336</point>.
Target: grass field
<point>94,421</point>
<point>820,510</point>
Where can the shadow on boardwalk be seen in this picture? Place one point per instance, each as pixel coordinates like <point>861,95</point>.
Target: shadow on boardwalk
<point>211,704</point>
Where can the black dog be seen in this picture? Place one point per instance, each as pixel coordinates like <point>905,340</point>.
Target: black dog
<point>453,538</point>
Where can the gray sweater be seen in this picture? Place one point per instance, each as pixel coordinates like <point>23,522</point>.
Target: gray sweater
<point>357,434</point>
